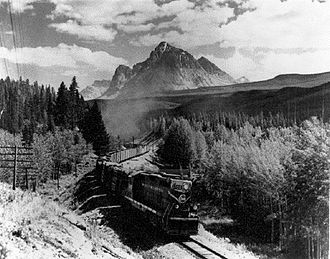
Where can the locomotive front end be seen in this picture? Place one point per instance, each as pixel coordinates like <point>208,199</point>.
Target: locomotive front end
<point>182,213</point>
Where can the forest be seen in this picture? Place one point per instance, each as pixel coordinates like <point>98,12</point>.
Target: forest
<point>267,173</point>
<point>59,126</point>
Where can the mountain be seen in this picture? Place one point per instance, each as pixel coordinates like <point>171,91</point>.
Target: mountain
<point>166,69</point>
<point>96,89</point>
<point>302,95</point>
<point>242,80</point>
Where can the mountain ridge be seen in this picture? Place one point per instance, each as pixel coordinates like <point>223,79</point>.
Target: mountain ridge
<point>167,68</point>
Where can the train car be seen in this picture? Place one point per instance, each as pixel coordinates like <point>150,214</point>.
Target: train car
<point>122,155</point>
<point>164,199</point>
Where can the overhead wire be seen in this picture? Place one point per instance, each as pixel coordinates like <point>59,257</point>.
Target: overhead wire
<point>20,32</point>
<point>2,44</point>
<point>14,35</point>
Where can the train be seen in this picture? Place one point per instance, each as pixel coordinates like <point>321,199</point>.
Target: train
<point>163,198</point>
<point>122,155</point>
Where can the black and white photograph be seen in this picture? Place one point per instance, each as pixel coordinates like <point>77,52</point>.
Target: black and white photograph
<point>164,129</point>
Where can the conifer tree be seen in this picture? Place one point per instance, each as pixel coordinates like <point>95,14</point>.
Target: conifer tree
<point>94,131</point>
<point>73,103</point>
<point>179,147</point>
<point>62,107</point>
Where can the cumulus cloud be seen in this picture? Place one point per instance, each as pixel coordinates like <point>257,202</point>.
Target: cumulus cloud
<point>270,37</point>
<point>281,24</point>
<point>195,20</point>
<point>192,25</point>
<point>89,32</point>
<point>73,57</point>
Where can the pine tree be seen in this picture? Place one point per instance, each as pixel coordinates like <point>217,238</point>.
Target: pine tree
<point>73,103</point>
<point>62,107</point>
<point>94,131</point>
<point>179,147</point>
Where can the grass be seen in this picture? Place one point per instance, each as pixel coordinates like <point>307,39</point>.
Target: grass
<point>23,208</point>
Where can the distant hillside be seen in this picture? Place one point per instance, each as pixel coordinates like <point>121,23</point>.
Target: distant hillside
<point>293,102</point>
<point>127,117</point>
<point>278,82</point>
<point>168,68</point>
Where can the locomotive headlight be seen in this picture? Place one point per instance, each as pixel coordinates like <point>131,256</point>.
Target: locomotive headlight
<point>182,198</point>
<point>177,206</point>
<point>195,207</point>
<point>185,186</point>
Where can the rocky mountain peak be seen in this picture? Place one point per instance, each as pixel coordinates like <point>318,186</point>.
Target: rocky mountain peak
<point>166,68</point>
<point>122,74</point>
<point>162,47</point>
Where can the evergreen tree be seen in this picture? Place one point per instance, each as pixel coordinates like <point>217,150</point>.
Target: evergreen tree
<point>27,132</point>
<point>94,131</point>
<point>73,103</point>
<point>179,147</point>
<point>62,107</point>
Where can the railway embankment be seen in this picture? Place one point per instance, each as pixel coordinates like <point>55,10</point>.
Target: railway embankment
<point>133,230</point>
<point>89,223</point>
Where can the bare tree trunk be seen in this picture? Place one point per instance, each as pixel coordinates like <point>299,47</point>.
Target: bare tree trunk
<point>272,230</point>
<point>308,247</point>
<point>280,224</point>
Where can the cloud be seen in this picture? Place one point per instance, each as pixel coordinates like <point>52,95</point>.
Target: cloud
<point>280,24</point>
<point>136,28</point>
<point>19,6</point>
<point>72,73</point>
<point>192,27</point>
<point>194,21</point>
<point>270,64</point>
<point>89,32</point>
<point>73,57</point>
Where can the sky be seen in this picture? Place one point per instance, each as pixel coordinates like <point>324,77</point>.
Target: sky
<point>51,41</point>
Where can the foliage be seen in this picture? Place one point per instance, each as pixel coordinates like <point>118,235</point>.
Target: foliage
<point>7,139</point>
<point>22,102</point>
<point>3,252</point>
<point>52,150</point>
<point>94,131</point>
<point>69,109</point>
<point>271,176</point>
<point>179,146</point>
<point>308,185</point>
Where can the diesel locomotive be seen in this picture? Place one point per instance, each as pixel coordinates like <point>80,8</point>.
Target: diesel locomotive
<point>164,199</point>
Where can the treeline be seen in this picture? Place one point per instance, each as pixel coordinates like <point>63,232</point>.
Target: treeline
<point>211,121</point>
<point>59,126</point>
<point>22,103</point>
<point>33,109</point>
<point>273,179</point>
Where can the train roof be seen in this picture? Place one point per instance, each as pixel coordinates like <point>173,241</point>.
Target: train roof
<point>159,174</point>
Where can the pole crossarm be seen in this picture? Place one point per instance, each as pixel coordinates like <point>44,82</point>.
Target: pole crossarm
<point>20,159</point>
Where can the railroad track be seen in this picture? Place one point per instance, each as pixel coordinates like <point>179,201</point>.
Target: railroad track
<point>201,250</point>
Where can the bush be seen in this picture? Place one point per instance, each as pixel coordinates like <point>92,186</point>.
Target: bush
<point>52,150</point>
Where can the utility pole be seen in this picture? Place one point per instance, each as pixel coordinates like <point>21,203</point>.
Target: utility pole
<point>15,168</point>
